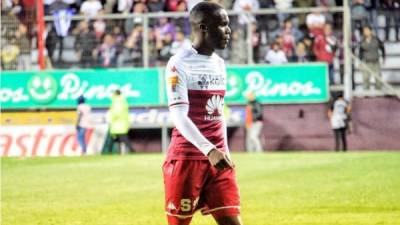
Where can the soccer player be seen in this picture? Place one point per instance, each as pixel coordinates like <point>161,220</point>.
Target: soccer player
<point>198,171</point>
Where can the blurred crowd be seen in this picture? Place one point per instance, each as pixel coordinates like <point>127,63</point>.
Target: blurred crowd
<point>276,39</point>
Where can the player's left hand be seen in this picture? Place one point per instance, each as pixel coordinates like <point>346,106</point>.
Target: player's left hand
<point>219,159</point>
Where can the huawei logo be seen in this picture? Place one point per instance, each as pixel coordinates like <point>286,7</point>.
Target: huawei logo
<point>214,107</point>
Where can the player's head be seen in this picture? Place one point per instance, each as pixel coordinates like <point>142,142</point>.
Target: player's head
<point>209,23</point>
<point>117,92</point>
<point>250,96</point>
<point>81,99</point>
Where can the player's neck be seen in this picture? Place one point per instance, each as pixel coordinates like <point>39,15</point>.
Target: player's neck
<point>203,49</point>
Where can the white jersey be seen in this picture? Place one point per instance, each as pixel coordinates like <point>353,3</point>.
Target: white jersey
<point>199,81</point>
<point>339,114</point>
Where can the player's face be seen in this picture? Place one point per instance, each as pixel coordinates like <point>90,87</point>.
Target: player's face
<point>219,31</point>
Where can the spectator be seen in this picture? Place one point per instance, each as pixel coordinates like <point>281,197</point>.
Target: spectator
<point>164,48</point>
<point>315,23</point>
<point>238,47</point>
<point>369,55</point>
<point>256,42</point>
<point>91,8</point>
<point>118,118</point>
<point>62,21</point>
<point>110,4</point>
<point>83,123</point>
<point>155,5</point>
<point>288,38</point>
<point>325,48</point>
<point>123,6</point>
<point>308,44</point>
<point>254,124</point>
<point>301,55</point>
<point>107,52</point>
<point>99,26</point>
<point>9,56</point>
<point>138,8</point>
<point>183,22</point>
<point>172,5</point>
<point>243,7</point>
<point>359,15</point>
<point>24,58</point>
<point>303,4</point>
<point>276,55</point>
<point>133,45</point>
<point>85,44</point>
<point>338,115</point>
<point>119,38</point>
<point>51,41</point>
<point>180,42</point>
<point>283,5</point>
<point>165,27</point>
<point>372,7</point>
<point>392,12</point>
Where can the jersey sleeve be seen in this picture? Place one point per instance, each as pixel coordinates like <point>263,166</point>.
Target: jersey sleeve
<point>176,84</point>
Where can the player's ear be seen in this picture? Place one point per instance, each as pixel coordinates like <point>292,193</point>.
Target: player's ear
<point>203,27</point>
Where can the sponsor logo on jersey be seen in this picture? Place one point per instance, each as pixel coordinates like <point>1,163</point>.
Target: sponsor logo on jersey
<point>173,69</point>
<point>214,108</point>
<point>207,80</point>
<point>173,82</point>
<point>171,206</point>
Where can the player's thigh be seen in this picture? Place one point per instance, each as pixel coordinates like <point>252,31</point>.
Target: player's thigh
<point>229,220</point>
<point>222,195</point>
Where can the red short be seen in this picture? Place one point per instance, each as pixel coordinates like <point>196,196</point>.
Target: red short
<point>194,184</point>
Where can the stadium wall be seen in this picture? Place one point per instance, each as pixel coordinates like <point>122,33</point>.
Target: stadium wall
<point>306,127</point>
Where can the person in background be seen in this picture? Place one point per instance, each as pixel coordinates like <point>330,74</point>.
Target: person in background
<point>392,13</point>
<point>315,22</point>
<point>91,8</point>
<point>338,116</point>
<point>276,55</point>
<point>325,48</point>
<point>254,124</point>
<point>359,15</point>
<point>369,55</point>
<point>83,122</point>
<point>180,42</point>
<point>24,58</point>
<point>85,44</point>
<point>107,52</point>
<point>118,117</point>
<point>301,55</point>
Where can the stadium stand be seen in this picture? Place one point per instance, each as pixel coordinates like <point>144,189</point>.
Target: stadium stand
<point>114,38</point>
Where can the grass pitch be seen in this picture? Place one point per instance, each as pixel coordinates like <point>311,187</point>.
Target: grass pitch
<point>276,188</point>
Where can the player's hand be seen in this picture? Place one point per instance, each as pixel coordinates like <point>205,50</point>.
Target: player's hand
<point>219,159</point>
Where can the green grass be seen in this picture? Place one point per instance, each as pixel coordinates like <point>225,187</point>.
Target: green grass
<point>279,188</point>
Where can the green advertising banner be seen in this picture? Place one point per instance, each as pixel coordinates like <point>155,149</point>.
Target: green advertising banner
<point>290,83</point>
<point>60,89</point>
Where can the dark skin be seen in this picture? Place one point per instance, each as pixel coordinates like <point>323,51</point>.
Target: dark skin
<point>211,31</point>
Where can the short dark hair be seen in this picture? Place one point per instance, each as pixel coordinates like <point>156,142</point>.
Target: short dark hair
<point>203,10</point>
<point>81,99</point>
<point>117,92</point>
<point>367,26</point>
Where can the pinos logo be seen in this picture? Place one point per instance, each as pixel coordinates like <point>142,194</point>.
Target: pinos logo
<point>43,88</point>
<point>214,107</point>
